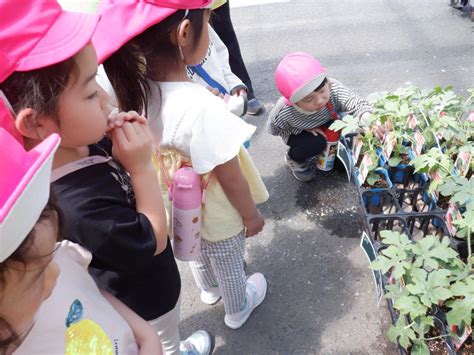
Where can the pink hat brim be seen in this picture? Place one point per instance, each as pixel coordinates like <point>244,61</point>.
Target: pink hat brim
<point>123,20</point>
<point>25,180</point>
<point>65,38</point>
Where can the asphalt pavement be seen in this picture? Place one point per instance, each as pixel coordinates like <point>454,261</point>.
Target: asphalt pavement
<point>321,295</point>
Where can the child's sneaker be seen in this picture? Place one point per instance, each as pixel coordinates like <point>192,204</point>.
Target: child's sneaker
<point>211,296</point>
<point>301,171</point>
<point>199,343</point>
<point>256,289</point>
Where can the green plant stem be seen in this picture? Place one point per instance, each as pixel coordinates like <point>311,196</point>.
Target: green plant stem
<point>436,337</point>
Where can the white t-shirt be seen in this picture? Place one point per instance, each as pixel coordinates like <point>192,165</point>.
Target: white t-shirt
<point>196,123</point>
<point>77,318</point>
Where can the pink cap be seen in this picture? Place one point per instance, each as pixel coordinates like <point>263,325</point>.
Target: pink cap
<point>297,75</point>
<point>36,34</point>
<point>122,20</point>
<point>24,178</point>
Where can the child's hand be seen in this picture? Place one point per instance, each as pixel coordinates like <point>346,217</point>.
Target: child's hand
<point>117,119</point>
<point>253,224</point>
<point>377,130</point>
<point>239,92</point>
<point>317,132</point>
<point>133,145</point>
<point>215,92</point>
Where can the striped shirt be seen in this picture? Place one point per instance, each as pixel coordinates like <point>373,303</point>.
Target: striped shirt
<point>285,120</point>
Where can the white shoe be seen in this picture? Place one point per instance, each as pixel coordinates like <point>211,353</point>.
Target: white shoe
<point>199,343</point>
<point>211,296</point>
<point>256,290</point>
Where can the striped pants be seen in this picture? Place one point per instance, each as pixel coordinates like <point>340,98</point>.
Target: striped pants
<point>222,263</point>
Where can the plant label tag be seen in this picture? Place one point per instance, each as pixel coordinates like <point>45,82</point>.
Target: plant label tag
<point>368,248</point>
<point>388,145</point>
<point>462,163</point>
<point>452,214</point>
<point>459,340</point>
<point>346,159</point>
<point>420,141</point>
<point>357,148</point>
<point>435,176</point>
<point>365,164</point>
<point>388,125</point>
<point>412,121</point>
<point>470,118</point>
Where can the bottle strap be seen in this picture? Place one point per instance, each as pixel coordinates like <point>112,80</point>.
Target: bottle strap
<point>69,168</point>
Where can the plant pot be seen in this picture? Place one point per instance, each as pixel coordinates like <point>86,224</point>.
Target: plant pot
<point>379,201</point>
<point>418,200</point>
<point>382,223</point>
<point>422,225</point>
<point>461,246</point>
<point>404,176</point>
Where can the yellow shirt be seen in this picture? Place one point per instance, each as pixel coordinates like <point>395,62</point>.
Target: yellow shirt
<point>220,220</point>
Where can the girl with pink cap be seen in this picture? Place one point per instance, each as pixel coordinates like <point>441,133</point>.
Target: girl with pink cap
<point>194,127</point>
<point>47,85</point>
<point>310,102</point>
<point>49,303</point>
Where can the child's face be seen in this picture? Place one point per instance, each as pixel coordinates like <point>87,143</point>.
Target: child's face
<point>315,101</point>
<point>198,53</point>
<point>82,106</point>
<point>27,285</point>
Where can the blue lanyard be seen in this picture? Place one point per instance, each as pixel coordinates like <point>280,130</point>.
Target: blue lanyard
<point>207,78</point>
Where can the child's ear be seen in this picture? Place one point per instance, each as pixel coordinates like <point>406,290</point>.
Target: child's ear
<point>33,126</point>
<point>184,33</point>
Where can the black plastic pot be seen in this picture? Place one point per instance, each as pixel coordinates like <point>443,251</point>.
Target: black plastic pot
<point>379,201</point>
<point>418,201</point>
<point>422,225</point>
<point>404,176</point>
<point>383,223</point>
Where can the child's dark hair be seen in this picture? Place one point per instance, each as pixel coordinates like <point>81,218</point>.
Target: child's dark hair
<point>325,81</point>
<point>137,56</point>
<point>126,72</point>
<point>8,337</point>
<point>39,89</point>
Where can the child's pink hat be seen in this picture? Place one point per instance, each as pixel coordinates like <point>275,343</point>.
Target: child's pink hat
<point>297,75</point>
<point>24,181</point>
<point>122,20</point>
<point>36,34</point>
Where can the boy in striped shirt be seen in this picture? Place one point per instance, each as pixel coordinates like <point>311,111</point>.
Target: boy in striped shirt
<point>309,103</point>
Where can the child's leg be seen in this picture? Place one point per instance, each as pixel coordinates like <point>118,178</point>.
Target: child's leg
<point>227,259</point>
<point>167,328</point>
<point>202,270</point>
<point>305,145</point>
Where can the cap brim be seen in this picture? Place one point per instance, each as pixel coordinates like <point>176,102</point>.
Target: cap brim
<point>307,88</point>
<point>121,22</point>
<point>25,203</point>
<point>64,39</point>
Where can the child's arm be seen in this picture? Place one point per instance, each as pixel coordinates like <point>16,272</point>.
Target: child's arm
<point>133,146</point>
<point>145,336</point>
<point>234,83</point>
<point>237,190</point>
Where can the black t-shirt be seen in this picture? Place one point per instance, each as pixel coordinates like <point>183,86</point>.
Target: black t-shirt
<point>99,213</point>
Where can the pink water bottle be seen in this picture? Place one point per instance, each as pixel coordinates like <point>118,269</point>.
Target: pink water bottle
<point>186,195</point>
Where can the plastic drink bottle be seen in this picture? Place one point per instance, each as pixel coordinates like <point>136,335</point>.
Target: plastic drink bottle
<point>325,160</point>
<point>186,195</point>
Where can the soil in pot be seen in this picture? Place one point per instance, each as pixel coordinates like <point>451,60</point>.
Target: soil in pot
<point>443,202</point>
